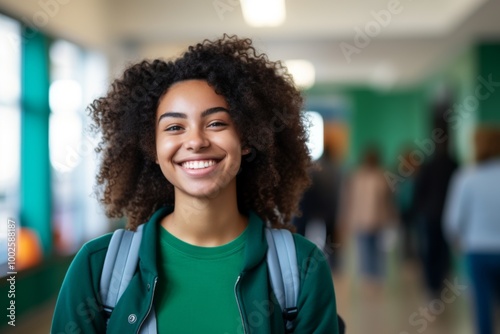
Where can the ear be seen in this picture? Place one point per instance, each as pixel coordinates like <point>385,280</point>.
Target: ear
<point>245,150</point>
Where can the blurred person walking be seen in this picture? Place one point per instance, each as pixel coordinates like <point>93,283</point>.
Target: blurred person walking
<point>472,221</point>
<point>404,201</point>
<point>431,186</point>
<point>370,209</point>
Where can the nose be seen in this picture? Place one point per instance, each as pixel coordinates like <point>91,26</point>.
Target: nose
<point>196,140</point>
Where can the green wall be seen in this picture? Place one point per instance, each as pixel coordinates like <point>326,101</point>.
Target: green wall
<point>392,120</point>
<point>489,75</point>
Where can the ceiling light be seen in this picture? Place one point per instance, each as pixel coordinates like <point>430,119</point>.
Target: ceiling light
<point>302,71</point>
<point>263,13</point>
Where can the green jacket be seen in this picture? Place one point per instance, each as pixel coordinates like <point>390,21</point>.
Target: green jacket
<point>79,309</point>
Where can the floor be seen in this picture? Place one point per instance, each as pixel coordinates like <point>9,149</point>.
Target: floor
<point>398,305</point>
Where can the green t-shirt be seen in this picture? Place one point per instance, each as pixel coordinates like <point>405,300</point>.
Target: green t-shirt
<point>195,292</point>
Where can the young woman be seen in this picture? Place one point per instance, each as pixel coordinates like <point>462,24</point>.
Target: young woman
<point>205,151</point>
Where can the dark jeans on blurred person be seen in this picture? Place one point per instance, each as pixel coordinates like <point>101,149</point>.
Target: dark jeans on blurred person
<point>435,255</point>
<point>370,254</point>
<point>484,270</point>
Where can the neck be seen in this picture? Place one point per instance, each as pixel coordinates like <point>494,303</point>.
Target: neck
<point>205,222</point>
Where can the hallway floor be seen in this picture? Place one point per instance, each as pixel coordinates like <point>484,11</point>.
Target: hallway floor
<point>400,304</point>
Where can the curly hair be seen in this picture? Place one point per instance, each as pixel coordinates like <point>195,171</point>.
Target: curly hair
<point>264,105</point>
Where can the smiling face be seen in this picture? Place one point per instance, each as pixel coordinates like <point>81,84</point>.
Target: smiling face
<point>198,147</point>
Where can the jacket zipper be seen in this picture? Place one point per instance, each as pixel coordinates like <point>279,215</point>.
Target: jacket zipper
<point>238,304</point>
<point>150,306</point>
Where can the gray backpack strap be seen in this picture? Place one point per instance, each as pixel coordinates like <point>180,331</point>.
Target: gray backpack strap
<point>283,272</point>
<point>119,267</point>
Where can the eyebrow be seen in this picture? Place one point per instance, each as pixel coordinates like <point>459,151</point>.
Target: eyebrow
<point>205,113</point>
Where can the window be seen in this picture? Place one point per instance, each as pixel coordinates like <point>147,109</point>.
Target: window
<point>10,128</point>
<point>315,134</point>
<point>77,77</point>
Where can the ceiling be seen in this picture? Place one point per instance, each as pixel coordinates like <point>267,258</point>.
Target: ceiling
<point>418,37</point>
<point>158,20</point>
<point>414,39</point>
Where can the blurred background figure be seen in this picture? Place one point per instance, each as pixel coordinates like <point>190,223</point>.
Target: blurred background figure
<point>473,223</point>
<point>319,205</point>
<point>404,202</point>
<point>431,186</point>
<point>369,211</point>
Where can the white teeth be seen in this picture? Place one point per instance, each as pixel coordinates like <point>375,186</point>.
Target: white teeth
<point>198,164</point>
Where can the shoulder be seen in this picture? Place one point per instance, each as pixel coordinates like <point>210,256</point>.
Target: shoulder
<point>303,245</point>
<point>78,303</point>
<point>309,256</point>
<point>464,176</point>
<point>85,269</point>
<point>316,301</point>
<point>97,246</point>
<point>91,255</point>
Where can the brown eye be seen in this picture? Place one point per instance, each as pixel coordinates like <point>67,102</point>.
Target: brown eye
<point>217,124</point>
<point>173,128</point>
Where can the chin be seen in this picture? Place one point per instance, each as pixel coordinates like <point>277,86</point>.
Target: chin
<point>204,193</point>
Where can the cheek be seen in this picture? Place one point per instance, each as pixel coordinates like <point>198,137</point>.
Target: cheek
<point>164,154</point>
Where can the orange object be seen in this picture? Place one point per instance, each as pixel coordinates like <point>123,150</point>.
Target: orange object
<point>29,251</point>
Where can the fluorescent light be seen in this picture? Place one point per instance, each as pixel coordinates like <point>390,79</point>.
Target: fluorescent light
<point>263,13</point>
<point>302,71</point>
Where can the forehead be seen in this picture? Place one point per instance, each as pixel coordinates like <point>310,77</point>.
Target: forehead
<point>191,94</point>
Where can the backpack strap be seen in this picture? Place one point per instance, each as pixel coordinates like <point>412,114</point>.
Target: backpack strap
<point>283,272</point>
<point>119,267</point>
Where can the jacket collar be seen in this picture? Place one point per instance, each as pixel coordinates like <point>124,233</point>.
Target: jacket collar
<point>147,250</point>
<point>255,248</point>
